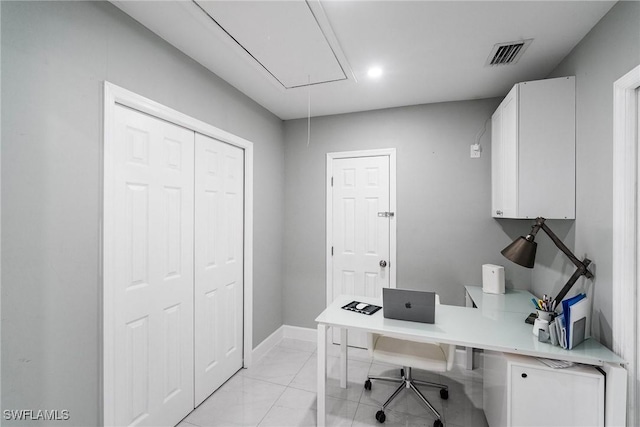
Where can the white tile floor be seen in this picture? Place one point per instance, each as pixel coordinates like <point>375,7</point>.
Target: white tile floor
<point>280,390</point>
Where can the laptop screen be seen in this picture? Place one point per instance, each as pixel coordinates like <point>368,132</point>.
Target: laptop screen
<point>405,304</point>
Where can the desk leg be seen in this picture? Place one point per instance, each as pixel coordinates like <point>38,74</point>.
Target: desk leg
<point>469,350</point>
<point>343,357</point>
<point>322,375</point>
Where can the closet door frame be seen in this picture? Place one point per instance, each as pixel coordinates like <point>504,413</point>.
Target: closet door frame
<point>115,95</point>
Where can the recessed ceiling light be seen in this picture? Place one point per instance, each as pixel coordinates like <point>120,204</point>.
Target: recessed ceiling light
<point>374,72</point>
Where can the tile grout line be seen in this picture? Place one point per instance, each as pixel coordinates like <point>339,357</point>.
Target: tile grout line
<point>468,384</point>
<point>272,406</point>
<point>286,386</point>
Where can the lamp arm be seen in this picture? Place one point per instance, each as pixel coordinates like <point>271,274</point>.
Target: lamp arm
<point>582,267</point>
<point>563,248</point>
<point>572,280</point>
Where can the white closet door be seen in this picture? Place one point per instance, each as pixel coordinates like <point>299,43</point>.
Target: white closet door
<point>153,241</point>
<point>219,217</point>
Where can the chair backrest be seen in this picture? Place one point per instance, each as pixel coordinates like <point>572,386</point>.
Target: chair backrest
<point>448,349</point>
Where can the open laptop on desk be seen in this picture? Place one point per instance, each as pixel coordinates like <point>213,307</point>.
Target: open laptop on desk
<point>405,304</point>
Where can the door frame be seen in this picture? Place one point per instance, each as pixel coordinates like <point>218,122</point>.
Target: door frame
<point>391,153</point>
<point>626,233</point>
<point>114,95</point>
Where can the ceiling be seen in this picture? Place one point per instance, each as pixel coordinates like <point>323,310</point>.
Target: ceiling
<point>298,58</point>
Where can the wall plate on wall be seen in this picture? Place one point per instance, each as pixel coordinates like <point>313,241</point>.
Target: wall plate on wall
<point>475,151</point>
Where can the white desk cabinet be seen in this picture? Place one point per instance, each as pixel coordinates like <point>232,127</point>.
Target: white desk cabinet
<point>522,391</point>
<point>491,328</point>
<point>533,151</point>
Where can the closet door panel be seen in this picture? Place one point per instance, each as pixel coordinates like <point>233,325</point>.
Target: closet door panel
<point>153,241</point>
<point>219,215</point>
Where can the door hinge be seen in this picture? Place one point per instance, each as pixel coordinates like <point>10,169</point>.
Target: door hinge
<point>331,250</point>
<point>332,181</point>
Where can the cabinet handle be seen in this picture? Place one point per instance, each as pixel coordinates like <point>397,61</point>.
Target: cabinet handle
<point>524,375</point>
<point>499,212</point>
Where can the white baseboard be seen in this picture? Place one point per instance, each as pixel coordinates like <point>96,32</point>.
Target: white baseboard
<point>309,334</point>
<point>302,334</point>
<point>284,331</point>
<point>265,346</point>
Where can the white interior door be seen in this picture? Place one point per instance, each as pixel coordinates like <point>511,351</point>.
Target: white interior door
<point>153,269</point>
<point>219,214</point>
<point>360,236</point>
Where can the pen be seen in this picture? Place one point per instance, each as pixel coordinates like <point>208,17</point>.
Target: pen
<point>535,303</point>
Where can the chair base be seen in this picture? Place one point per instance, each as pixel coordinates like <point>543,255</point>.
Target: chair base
<point>407,381</point>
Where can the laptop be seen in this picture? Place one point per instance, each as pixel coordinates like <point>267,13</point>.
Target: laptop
<point>405,304</point>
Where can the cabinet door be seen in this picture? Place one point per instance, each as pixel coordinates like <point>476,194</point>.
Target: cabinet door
<point>504,157</point>
<point>509,148</point>
<point>547,397</point>
<point>546,144</point>
<point>497,165</point>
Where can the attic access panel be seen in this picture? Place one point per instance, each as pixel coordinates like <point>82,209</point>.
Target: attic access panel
<point>283,37</point>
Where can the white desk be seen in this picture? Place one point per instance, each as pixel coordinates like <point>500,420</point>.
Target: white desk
<point>516,301</point>
<point>513,300</point>
<point>496,330</point>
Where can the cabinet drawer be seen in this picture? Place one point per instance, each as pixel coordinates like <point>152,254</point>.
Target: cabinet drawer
<point>541,396</point>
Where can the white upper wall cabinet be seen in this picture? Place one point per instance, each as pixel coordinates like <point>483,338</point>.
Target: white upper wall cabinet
<point>533,169</point>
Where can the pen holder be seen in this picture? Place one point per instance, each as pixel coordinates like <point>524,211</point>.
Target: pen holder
<point>540,324</point>
<point>545,315</point>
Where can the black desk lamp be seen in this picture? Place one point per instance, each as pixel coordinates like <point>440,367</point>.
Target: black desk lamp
<point>523,252</point>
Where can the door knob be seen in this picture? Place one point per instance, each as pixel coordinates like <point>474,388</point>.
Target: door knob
<point>383,263</point>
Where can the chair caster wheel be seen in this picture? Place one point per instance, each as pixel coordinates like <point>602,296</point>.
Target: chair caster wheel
<point>437,423</point>
<point>380,416</point>
<point>367,385</point>
<point>444,393</point>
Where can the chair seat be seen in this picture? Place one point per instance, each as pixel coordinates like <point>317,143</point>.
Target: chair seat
<point>426,356</point>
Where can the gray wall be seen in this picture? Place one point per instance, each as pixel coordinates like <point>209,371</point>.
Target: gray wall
<point>55,57</point>
<point>445,231</point>
<point>609,51</point>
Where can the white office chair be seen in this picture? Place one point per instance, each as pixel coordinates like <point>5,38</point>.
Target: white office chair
<point>421,355</point>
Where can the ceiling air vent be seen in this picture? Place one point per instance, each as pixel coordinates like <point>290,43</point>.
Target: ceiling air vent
<point>507,53</point>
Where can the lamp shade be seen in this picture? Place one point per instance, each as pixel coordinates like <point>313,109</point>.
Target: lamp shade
<point>522,251</point>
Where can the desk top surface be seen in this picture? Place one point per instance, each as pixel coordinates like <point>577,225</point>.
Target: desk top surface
<point>484,328</point>
<point>514,300</point>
